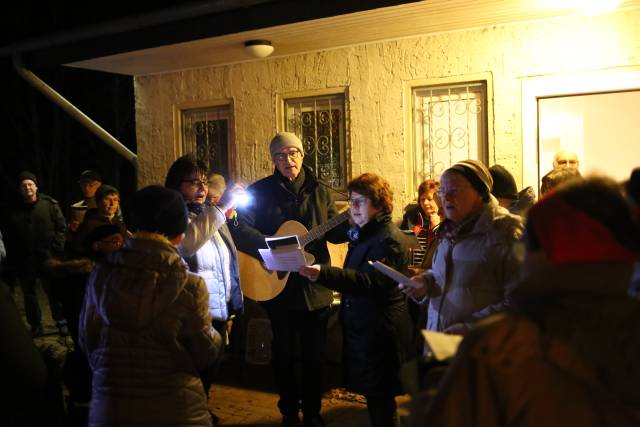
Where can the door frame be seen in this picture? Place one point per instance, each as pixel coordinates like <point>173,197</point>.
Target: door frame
<point>535,88</point>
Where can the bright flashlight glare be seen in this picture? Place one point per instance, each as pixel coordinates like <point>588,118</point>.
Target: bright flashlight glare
<point>242,199</point>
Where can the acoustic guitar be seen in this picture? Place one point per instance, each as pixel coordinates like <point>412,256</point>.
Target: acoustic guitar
<point>261,284</point>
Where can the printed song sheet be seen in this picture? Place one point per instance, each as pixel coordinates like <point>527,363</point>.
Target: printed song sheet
<point>287,259</point>
<point>394,274</point>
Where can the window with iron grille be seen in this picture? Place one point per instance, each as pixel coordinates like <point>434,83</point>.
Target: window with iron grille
<point>449,125</point>
<point>205,133</point>
<point>319,122</point>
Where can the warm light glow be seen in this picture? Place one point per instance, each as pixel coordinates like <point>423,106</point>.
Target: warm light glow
<point>259,48</point>
<point>585,7</point>
<point>595,7</point>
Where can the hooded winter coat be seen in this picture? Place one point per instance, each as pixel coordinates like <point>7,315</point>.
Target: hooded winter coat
<point>377,329</point>
<point>568,358</point>
<point>146,331</point>
<point>473,269</point>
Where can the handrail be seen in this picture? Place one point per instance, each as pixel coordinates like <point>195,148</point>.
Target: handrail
<point>73,111</point>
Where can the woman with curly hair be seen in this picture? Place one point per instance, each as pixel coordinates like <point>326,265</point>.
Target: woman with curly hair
<point>375,321</point>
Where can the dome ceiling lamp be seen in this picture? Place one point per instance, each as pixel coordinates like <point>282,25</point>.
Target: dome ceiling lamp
<point>258,48</point>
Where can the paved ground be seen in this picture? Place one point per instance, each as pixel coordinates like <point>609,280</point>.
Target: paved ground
<point>248,399</point>
<point>244,394</point>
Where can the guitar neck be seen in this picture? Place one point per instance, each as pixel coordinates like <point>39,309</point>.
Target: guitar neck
<point>318,231</point>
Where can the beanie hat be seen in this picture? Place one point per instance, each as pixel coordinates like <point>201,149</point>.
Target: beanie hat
<point>283,140</point>
<point>477,174</point>
<point>159,210</point>
<point>570,235</point>
<point>103,190</point>
<point>504,186</point>
<point>89,175</point>
<point>27,175</point>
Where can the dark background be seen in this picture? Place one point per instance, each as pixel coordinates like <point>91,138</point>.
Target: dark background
<point>40,137</point>
<point>37,134</point>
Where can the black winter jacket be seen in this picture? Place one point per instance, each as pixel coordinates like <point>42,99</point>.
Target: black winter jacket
<point>34,233</point>
<point>273,203</point>
<point>376,326</point>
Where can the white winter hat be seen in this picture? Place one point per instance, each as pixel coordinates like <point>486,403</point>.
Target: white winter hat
<point>283,140</point>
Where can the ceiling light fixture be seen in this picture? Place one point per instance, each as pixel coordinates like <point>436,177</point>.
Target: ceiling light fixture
<point>258,48</point>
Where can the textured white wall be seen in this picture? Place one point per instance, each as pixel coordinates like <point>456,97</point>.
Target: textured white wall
<point>374,75</point>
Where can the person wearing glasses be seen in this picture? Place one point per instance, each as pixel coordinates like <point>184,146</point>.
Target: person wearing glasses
<point>377,329</point>
<point>474,261</point>
<point>300,312</point>
<point>567,353</point>
<point>208,247</point>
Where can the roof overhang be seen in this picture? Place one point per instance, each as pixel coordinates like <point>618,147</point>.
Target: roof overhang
<point>213,33</point>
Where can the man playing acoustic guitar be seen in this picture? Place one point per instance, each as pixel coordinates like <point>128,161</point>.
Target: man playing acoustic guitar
<point>299,313</point>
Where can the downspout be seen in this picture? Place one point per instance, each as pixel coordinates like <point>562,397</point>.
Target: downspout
<point>74,112</point>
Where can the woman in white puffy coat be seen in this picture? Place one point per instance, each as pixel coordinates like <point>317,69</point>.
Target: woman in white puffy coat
<point>208,247</point>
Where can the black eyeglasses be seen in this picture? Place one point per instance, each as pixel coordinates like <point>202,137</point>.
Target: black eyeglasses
<point>283,156</point>
<point>197,182</point>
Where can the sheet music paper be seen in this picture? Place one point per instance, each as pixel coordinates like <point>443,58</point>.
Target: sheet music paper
<point>287,259</point>
<point>394,274</point>
<point>443,346</point>
<point>78,213</point>
<point>278,242</point>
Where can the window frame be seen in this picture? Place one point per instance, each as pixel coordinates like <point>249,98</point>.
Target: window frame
<point>179,112</point>
<point>281,116</point>
<point>487,153</point>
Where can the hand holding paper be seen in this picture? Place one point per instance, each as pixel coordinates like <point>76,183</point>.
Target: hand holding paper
<point>429,287</point>
<point>394,274</point>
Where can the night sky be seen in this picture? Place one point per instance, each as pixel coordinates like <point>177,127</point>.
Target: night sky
<point>41,137</point>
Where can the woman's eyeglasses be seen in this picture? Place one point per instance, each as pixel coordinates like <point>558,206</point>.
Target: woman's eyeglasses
<point>360,201</point>
<point>197,182</point>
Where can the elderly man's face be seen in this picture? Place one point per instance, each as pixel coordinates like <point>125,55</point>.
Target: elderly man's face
<point>289,162</point>
<point>565,159</point>
<point>29,190</point>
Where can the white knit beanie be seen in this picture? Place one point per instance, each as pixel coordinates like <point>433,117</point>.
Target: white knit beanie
<point>283,140</point>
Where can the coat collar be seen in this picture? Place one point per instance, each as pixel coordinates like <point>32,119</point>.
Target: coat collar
<point>374,224</point>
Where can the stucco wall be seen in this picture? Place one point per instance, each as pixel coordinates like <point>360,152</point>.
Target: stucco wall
<point>374,75</point>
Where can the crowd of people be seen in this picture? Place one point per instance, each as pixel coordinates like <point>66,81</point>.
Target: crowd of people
<point>541,291</point>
